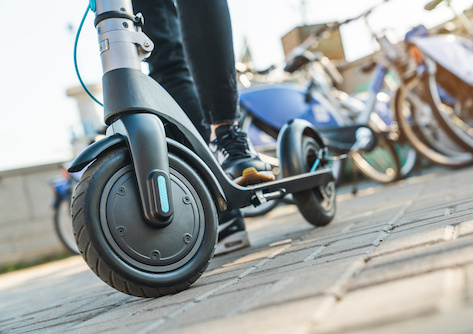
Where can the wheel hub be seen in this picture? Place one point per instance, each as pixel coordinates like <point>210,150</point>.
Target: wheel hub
<point>135,241</point>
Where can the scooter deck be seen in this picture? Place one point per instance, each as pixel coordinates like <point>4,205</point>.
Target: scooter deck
<point>294,184</point>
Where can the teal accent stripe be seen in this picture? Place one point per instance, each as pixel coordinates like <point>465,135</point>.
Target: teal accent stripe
<point>315,165</point>
<point>163,194</point>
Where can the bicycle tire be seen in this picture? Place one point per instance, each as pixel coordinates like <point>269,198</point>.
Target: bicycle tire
<point>408,158</point>
<point>63,225</point>
<point>407,155</point>
<point>380,164</point>
<point>456,119</point>
<point>410,122</point>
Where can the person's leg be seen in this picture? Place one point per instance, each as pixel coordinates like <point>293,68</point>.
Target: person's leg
<point>207,34</point>
<point>208,42</point>
<point>167,63</point>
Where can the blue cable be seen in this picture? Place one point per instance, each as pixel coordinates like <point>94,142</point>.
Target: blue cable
<point>75,57</point>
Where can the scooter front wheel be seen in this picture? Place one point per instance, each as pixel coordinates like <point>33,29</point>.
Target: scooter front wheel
<point>126,252</point>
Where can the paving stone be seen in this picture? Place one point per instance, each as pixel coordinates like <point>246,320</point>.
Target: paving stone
<point>465,227</point>
<point>384,303</point>
<point>415,261</point>
<point>412,237</point>
<point>280,319</point>
<point>458,322</point>
<point>396,258</point>
<point>468,269</point>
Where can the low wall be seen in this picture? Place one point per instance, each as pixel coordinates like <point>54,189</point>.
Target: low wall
<point>26,214</point>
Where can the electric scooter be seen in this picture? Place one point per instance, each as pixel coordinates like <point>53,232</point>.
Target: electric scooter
<point>145,210</point>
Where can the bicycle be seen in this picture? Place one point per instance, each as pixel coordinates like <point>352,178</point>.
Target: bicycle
<point>334,113</point>
<point>145,210</point>
<point>447,76</point>
<point>414,110</point>
<point>62,189</point>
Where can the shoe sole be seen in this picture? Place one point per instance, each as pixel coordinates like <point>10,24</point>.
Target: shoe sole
<point>232,243</point>
<point>252,176</point>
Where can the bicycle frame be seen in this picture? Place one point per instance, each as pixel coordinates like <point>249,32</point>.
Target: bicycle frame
<point>135,107</point>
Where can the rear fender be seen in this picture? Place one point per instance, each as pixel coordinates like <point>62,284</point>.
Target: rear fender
<point>289,140</point>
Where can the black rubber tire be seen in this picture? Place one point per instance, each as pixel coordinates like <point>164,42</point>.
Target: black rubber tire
<point>380,164</point>
<point>410,124</point>
<point>459,128</point>
<point>63,225</point>
<point>316,205</point>
<point>408,158</point>
<point>117,259</point>
<point>246,120</point>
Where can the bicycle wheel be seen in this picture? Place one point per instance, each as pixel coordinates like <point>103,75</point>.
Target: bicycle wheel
<point>419,126</point>
<point>381,164</point>
<point>126,252</point>
<point>453,110</point>
<point>407,154</point>
<point>408,158</point>
<point>63,225</point>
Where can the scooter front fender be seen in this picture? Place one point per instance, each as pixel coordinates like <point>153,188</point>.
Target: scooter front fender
<point>94,150</point>
<point>105,144</point>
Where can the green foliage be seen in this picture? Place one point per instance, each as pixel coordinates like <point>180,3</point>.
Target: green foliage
<point>27,264</point>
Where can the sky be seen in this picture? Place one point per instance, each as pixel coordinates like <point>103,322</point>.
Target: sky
<point>37,118</point>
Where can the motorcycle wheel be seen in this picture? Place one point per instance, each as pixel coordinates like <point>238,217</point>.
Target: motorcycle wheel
<point>122,249</point>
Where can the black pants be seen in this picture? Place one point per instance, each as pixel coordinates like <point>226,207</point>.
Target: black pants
<point>193,42</point>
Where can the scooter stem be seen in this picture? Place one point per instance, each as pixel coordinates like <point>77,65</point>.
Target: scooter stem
<point>123,46</point>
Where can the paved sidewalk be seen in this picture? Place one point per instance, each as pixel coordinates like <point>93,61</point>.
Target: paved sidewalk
<point>397,259</point>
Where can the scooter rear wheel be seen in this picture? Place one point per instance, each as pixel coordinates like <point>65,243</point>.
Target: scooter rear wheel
<point>122,249</point>
<point>298,155</point>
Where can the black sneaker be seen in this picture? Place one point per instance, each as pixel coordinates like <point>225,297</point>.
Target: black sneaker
<point>238,158</point>
<point>231,232</point>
